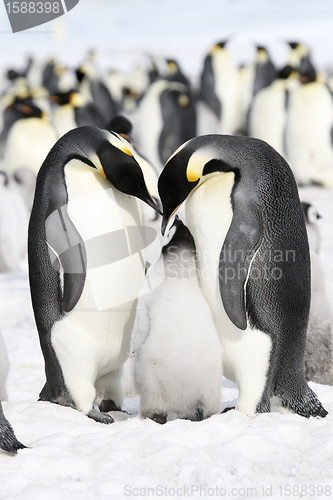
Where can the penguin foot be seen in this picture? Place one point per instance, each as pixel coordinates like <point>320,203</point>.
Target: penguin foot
<point>60,396</point>
<point>159,418</point>
<point>99,416</point>
<point>228,408</point>
<point>108,405</point>
<point>307,404</point>
<point>8,440</point>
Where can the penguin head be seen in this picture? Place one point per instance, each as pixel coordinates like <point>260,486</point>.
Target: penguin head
<point>25,108</point>
<point>120,164</point>
<point>121,125</point>
<point>193,163</point>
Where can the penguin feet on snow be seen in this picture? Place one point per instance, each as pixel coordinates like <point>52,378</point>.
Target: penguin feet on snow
<point>86,244</point>
<point>253,262</point>
<point>8,440</point>
<point>176,360</point>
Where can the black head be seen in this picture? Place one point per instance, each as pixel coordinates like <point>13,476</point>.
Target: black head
<point>121,125</point>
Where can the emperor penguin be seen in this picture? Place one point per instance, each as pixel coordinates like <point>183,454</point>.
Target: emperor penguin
<point>253,261</point>
<point>176,354</point>
<point>86,243</point>
<point>8,440</point>
<point>14,218</point>
<point>73,110</point>
<point>167,119</point>
<point>220,88</point>
<point>268,113</point>
<point>309,145</point>
<point>28,142</point>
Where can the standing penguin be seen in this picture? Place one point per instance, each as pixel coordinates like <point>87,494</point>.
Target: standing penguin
<point>74,110</point>
<point>253,261</point>
<point>176,356</point>
<point>8,440</point>
<point>309,147</point>
<point>86,266</point>
<point>167,120</point>
<point>220,87</point>
<point>268,113</point>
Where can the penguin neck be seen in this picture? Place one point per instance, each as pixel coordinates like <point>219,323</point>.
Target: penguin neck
<point>208,216</point>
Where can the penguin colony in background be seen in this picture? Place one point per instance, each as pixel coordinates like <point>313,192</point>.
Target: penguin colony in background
<point>40,104</point>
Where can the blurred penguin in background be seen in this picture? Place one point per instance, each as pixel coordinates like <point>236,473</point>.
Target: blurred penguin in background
<point>167,119</point>
<point>13,225</point>
<point>73,110</point>
<point>29,140</point>
<point>94,89</point>
<point>309,147</point>
<point>268,113</point>
<point>220,88</point>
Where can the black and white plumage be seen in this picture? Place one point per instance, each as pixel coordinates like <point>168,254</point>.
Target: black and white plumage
<point>167,119</point>
<point>176,355</point>
<point>253,261</point>
<point>309,146</point>
<point>8,440</point>
<point>220,86</point>
<point>74,110</point>
<point>86,266</point>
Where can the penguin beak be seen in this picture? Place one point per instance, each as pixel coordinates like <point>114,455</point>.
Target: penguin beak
<point>152,203</point>
<point>166,220</point>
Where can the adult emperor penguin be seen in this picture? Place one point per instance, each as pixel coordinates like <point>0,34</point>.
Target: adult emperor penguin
<point>8,440</point>
<point>167,119</point>
<point>309,147</point>
<point>86,266</point>
<point>253,261</point>
<point>176,355</point>
<point>220,87</point>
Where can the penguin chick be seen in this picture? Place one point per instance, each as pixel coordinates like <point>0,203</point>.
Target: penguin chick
<point>8,441</point>
<point>319,339</point>
<point>177,355</point>
<point>311,218</point>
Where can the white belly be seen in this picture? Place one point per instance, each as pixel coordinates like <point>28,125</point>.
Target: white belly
<point>245,354</point>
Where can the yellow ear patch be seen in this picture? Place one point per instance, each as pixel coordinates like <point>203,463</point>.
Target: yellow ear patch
<point>127,151</point>
<point>196,164</point>
<point>192,176</point>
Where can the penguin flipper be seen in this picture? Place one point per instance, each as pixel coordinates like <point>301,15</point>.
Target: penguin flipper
<point>242,241</point>
<point>67,253</point>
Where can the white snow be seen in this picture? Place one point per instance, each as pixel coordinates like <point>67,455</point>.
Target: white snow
<point>276,455</point>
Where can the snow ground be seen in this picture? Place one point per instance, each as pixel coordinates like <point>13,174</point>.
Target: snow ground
<point>276,455</point>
